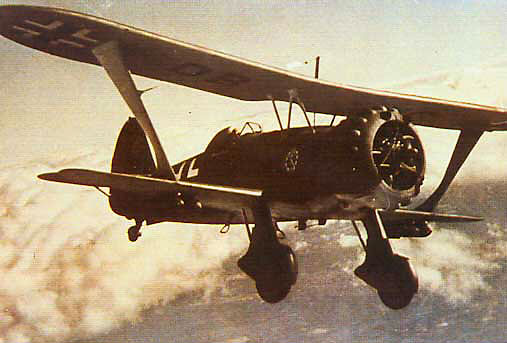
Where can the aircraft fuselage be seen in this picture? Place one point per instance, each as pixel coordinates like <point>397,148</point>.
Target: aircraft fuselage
<point>292,166</point>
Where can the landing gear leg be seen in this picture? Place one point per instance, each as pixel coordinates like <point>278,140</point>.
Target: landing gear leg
<point>269,263</point>
<point>134,232</point>
<point>390,274</point>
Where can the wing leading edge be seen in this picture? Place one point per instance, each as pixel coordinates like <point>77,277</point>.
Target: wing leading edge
<point>73,35</point>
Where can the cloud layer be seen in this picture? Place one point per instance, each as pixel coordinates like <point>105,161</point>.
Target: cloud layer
<point>68,269</point>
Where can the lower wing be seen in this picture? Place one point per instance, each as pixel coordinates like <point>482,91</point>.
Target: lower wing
<point>234,199</point>
<point>213,196</point>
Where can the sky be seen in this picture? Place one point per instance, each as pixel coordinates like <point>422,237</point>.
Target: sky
<point>62,112</point>
<point>51,106</point>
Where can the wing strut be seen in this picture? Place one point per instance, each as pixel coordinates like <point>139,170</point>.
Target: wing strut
<point>293,98</point>
<point>277,114</point>
<point>466,142</point>
<point>109,56</point>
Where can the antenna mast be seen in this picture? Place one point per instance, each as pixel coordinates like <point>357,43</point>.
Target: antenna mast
<point>317,63</point>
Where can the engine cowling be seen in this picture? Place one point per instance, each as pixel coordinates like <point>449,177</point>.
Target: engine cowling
<point>390,151</point>
<point>398,156</point>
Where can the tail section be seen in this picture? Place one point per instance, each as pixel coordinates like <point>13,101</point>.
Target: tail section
<point>132,155</point>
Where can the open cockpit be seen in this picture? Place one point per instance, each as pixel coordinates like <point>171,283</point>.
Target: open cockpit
<point>230,136</point>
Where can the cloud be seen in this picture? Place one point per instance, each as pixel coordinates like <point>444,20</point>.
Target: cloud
<point>69,271</point>
<point>452,263</point>
<point>449,263</point>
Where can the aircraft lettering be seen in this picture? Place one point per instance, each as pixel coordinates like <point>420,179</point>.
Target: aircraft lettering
<point>27,33</point>
<point>48,27</point>
<point>31,33</point>
<point>229,79</point>
<point>180,171</point>
<point>67,42</point>
<point>83,35</point>
<point>33,29</point>
<point>191,172</point>
<point>191,69</point>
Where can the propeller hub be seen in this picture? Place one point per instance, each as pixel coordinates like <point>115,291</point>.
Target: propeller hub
<point>398,156</point>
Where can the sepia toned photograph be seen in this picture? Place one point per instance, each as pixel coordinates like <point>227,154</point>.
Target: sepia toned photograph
<point>253,171</point>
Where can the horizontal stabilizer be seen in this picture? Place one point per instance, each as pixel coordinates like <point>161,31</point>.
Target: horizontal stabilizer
<point>213,196</point>
<point>409,215</point>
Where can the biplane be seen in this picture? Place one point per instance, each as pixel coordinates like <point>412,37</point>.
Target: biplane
<point>367,166</point>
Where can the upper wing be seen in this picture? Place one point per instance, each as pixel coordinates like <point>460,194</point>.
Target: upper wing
<point>73,35</point>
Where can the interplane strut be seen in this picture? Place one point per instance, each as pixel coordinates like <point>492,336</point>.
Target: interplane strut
<point>466,142</point>
<point>109,56</point>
